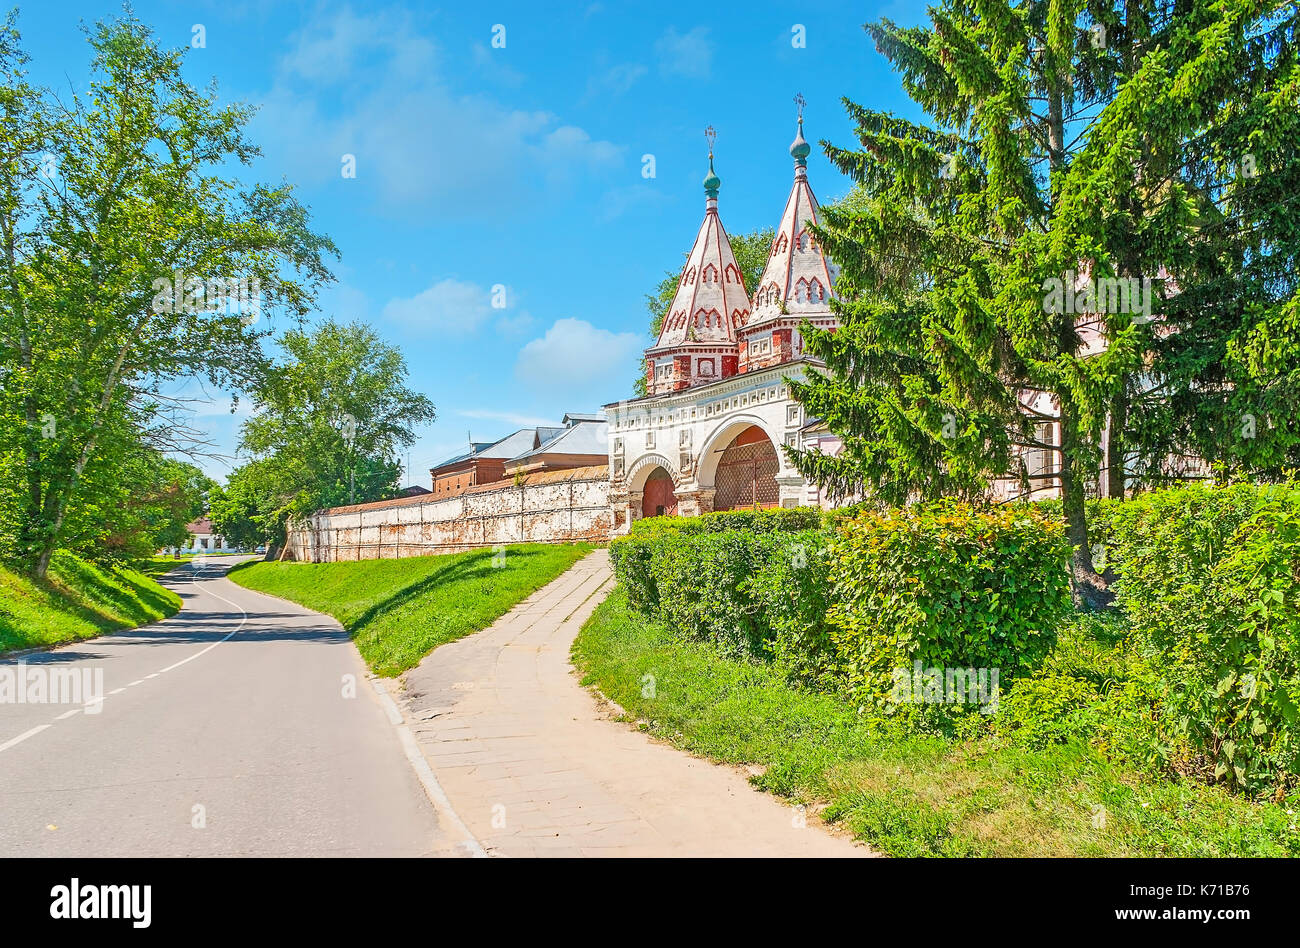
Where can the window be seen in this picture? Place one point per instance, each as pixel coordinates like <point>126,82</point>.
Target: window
<point>650,438</point>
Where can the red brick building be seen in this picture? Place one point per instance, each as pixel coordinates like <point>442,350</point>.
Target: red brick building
<point>581,441</point>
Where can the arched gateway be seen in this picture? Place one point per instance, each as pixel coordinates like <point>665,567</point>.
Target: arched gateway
<point>658,498</point>
<point>746,473</point>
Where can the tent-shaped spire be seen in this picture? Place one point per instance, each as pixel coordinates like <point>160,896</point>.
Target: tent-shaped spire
<point>798,277</point>
<point>711,300</point>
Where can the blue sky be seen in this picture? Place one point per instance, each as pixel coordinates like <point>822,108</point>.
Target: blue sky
<point>480,166</point>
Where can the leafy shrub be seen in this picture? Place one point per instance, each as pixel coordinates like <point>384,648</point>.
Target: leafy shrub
<point>634,555</point>
<point>946,585</point>
<point>1165,539</point>
<point>791,590</point>
<point>700,584</point>
<point>1210,579</point>
<point>789,519</point>
<point>1047,709</point>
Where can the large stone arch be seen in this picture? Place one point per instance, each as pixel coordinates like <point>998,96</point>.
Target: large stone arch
<point>721,436</point>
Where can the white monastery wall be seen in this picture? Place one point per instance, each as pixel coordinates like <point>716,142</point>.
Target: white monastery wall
<point>553,507</point>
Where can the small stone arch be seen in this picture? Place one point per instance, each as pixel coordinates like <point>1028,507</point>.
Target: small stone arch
<point>641,469</point>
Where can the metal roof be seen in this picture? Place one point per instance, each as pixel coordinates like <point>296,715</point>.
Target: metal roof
<point>581,437</point>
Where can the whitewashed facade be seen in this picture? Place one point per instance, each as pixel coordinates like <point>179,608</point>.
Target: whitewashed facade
<point>710,434</point>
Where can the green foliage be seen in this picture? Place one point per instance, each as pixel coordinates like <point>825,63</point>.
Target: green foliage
<point>1022,171</point>
<point>399,610</point>
<point>1046,709</point>
<point>921,794</point>
<point>946,585</point>
<point>700,580</point>
<point>329,425</point>
<point>634,555</point>
<point>253,506</point>
<point>106,194</point>
<point>760,521</point>
<point>77,600</point>
<point>791,593</point>
<point>1210,579</point>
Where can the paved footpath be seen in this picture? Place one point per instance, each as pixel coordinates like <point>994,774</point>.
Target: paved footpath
<point>532,766</point>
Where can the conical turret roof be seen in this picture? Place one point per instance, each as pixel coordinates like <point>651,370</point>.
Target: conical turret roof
<point>711,300</point>
<point>798,277</point>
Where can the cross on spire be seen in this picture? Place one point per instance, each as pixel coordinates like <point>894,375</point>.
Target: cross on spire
<point>799,101</point>
<point>710,136</point>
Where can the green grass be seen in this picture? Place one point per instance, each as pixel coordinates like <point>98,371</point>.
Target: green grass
<point>76,601</point>
<point>400,610</point>
<point>909,794</point>
<point>159,565</point>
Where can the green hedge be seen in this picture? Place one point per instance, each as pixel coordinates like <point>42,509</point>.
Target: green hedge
<point>1210,579</point>
<point>846,602</point>
<point>1199,671</point>
<point>947,585</point>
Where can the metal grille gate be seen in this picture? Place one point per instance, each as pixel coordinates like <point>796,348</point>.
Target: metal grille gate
<point>746,477</point>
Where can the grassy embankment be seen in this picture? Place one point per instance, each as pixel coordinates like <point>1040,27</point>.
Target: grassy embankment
<point>913,795</point>
<point>400,610</point>
<point>76,601</point>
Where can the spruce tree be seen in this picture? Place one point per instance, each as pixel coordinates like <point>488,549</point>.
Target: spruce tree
<point>1052,155</point>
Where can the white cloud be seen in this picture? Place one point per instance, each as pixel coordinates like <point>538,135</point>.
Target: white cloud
<point>685,54</point>
<point>372,87</point>
<point>515,325</point>
<point>510,418</point>
<point>616,80</point>
<point>333,49</point>
<point>492,63</point>
<point>575,356</point>
<point>450,305</point>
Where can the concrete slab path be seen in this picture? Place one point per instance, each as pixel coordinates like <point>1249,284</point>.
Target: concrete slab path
<point>533,767</point>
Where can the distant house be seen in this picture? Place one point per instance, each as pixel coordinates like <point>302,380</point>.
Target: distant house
<point>579,442</point>
<point>415,490</point>
<point>202,539</point>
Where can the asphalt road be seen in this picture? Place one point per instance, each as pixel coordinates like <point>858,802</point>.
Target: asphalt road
<point>227,730</point>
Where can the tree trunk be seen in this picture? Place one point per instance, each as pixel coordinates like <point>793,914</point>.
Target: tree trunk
<point>1115,469</point>
<point>1087,586</point>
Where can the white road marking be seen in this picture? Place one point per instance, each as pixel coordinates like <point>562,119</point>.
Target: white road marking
<point>68,714</point>
<point>242,622</point>
<point>205,651</point>
<point>432,788</point>
<point>23,736</point>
